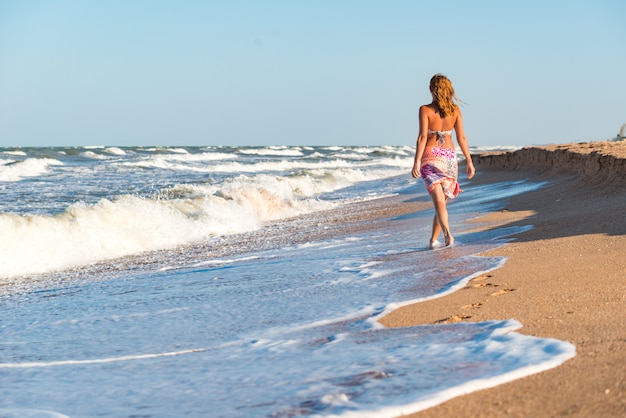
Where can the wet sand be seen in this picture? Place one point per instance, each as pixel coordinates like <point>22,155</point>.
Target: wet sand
<point>564,279</point>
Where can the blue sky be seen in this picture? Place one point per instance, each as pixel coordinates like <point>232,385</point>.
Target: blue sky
<point>142,72</point>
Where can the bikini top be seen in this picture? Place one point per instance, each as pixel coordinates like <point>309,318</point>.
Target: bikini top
<point>441,135</point>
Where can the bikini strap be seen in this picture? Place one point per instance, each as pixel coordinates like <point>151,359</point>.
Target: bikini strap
<point>441,135</point>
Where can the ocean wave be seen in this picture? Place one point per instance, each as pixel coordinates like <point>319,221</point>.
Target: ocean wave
<point>85,234</point>
<point>273,151</point>
<point>178,150</point>
<point>31,167</point>
<point>180,162</point>
<point>182,214</point>
<point>111,229</point>
<point>106,206</point>
<point>115,151</point>
<point>15,152</point>
<point>221,164</point>
<point>94,155</point>
<point>202,157</point>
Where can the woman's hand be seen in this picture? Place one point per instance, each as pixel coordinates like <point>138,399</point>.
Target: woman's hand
<point>416,171</point>
<point>469,170</point>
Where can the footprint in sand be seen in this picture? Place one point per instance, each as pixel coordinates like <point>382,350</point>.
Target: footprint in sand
<point>477,281</point>
<point>472,306</point>
<point>485,285</point>
<point>502,292</point>
<point>454,318</point>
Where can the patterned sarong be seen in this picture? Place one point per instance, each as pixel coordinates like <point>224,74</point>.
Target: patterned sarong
<point>439,165</point>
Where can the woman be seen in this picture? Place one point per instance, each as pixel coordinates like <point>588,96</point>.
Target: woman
<point>435,157</point>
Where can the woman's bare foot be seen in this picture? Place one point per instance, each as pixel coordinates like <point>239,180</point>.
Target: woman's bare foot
<point>434,244</point>
<point>449,241</point>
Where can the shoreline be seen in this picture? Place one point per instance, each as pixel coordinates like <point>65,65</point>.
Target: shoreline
<point>563,279</point>
<point>576,216</point>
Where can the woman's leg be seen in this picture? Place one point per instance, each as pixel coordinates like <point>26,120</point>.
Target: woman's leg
<point>435,233</point>
<point>441,213</point>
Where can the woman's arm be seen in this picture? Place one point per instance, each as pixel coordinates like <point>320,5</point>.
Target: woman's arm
<point>462,141</point>
<point>422,137</point>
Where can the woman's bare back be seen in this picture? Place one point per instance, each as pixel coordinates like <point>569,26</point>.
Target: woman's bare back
<point>439,129</point>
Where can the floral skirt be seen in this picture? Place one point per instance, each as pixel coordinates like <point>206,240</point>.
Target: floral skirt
<point>439,166</point>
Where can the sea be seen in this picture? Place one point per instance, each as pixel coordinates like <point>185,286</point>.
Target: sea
<point>226,281</point>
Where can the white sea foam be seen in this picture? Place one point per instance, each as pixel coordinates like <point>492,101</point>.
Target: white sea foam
<point>275,151</point>
<point>181,162</point>
<point>222,262</point>
<point>205,156</point>
<point>292,165</point>
<point>115,151</point>
<point>94,155</point>
<point>178,150</point>
<point>16,153</point>
<point>130,225</point>
<point>40,364</point>
<point>30,167</point>
<point>520,356</point>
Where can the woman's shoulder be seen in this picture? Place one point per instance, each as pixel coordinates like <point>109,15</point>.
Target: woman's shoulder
<point>427,108</point>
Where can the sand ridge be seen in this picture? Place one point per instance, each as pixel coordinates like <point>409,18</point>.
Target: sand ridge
<point>597,162</point>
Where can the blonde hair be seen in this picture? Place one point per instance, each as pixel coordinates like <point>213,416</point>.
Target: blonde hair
<point>443,95</point>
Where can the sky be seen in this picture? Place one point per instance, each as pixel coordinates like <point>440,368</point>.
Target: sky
<point>327,72</point>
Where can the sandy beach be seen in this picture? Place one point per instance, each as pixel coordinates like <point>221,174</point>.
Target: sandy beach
<point>564,279</point>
